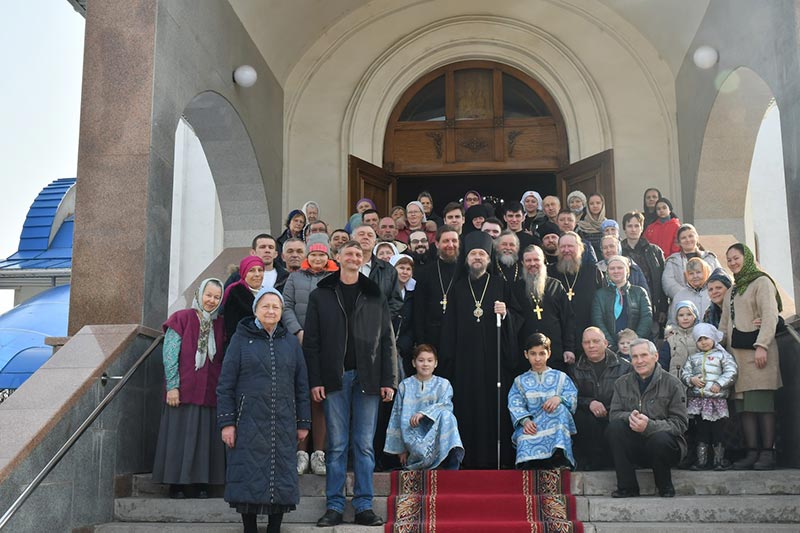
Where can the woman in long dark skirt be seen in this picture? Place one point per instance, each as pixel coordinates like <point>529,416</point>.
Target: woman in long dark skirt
<point>263,411</point>
<point>189,451</point>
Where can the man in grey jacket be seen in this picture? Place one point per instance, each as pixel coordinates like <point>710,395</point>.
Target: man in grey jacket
<point>647,422</point>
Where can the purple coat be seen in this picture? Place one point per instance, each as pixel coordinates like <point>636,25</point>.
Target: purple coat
<point>198,387</point>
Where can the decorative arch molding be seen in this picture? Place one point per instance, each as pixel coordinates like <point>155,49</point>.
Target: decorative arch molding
<point>234,166</point>
<point>550,62</point>
<point>727,153</point>
<point>569,72</point>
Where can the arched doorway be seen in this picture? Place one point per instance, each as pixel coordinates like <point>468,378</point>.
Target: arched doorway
<point>477,125</point>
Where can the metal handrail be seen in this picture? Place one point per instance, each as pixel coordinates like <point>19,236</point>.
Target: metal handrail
<point>78,432</point>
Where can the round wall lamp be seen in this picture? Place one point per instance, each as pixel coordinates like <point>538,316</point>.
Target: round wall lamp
<point>245,75</point>
<point>705,57</point>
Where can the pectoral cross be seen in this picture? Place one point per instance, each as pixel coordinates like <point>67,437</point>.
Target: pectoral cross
<point>443,303</point>
<point>570,294</point>
<point>538,310</point>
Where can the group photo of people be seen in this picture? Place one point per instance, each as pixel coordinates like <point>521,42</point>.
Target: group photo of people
<point>486,334</point>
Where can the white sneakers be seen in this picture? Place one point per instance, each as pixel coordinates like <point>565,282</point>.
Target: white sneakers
<point>318,463</point>
<point>302,462</point>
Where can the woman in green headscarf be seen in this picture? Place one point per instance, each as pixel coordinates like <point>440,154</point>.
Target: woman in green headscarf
<point>753,297</point>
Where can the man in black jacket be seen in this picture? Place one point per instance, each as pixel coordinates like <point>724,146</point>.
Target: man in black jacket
<point>351,359</point>
<point>594,376</point>
<point>378,271</point>
<point>650,259</point>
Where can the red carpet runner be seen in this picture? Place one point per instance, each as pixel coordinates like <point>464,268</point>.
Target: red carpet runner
<point>482,501</point>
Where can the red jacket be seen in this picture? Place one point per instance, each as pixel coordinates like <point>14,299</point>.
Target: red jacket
<point>663,235</point>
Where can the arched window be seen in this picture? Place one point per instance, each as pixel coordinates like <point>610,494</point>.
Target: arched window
<point>475,116</point>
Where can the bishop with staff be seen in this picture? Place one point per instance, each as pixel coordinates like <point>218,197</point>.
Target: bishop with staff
<point>470,354</point>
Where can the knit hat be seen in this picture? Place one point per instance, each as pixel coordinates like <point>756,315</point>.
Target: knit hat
<point>706,330</point>
<point>548,228</point>
<point>266,290</point>
<point>690,305</point>
<point>318,242</point>
<point>293,213</point>
<point>609,223</point>
<point>370,202</point>
<point>247,263</point>
<point>577,194</point>
<point>478,240</point>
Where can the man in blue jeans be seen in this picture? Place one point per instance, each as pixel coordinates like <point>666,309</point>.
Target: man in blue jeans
<point>351,358</point>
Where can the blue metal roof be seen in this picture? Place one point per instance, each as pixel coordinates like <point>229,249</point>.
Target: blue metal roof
<point>34,251</point>
<point>22,333</point>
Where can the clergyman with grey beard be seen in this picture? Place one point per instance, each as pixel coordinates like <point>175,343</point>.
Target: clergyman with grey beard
<point>546,309</point>
<point>578,275</point>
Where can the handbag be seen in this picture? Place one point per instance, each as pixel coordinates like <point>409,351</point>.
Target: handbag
<point>746,339</point>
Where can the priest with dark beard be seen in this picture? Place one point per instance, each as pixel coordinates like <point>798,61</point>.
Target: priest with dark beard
<point>434,289</point>
<point>470,352</point>
<point>545,309</point>
<point>507,262</point>
<point>578,276</point>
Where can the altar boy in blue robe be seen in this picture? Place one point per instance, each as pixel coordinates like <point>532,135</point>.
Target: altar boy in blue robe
<point>422,429</point>
<point>541,402</point>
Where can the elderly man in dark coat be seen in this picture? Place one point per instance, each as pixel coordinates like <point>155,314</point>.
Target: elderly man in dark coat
<point>648,420</point>
<point>594,375</point>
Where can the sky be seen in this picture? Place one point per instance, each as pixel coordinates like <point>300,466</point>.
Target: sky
<point>41,53</point>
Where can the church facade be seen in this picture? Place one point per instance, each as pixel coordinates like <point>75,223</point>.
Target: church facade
<point>374,97</point>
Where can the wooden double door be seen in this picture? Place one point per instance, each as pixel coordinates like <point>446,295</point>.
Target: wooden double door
<point>595,173</point>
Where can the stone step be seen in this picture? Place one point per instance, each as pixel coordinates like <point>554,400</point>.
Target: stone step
<point>219,527</point>
<point>667,527</point>
<point>687,483</point>
<point>216,510</point>
<point>719,509</point>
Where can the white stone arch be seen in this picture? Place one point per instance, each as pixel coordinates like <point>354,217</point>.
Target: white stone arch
<point>726,154</point>
<point>234,166</point>
<point>219,199</point>
<point>612,87</point>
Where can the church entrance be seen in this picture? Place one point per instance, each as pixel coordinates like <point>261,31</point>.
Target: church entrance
<point>477,125</point>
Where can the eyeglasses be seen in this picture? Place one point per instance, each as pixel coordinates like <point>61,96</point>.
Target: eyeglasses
<point>419,241</point>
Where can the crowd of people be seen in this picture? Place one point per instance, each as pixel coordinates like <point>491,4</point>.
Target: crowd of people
<point>519,335</point>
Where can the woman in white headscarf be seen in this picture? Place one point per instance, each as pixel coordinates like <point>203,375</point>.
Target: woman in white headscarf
<point>534,216</point>
<point>311,210</point>
<point>189,454</point>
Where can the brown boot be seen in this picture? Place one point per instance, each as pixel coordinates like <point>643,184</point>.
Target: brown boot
<point>747,462</point>
<point>766,460</point>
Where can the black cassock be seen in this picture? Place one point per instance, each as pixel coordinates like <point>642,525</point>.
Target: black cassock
<point>583,289</point>
<point>469,357</point>
<point>428,314</point>
<point>557,321</point>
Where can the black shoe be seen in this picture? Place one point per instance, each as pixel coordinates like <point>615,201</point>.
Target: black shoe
<point>625,493</point>
<point>667,492</point>
<point>176,492</point>
<point>368,518</point>
<point>201,491</point>
<point>330,518</point>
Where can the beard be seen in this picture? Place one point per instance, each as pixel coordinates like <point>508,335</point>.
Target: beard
<point>534,283</point>
<point>449,259</point>
<point>568,266</point>
<point>508,260</point>
<point>476,272</point>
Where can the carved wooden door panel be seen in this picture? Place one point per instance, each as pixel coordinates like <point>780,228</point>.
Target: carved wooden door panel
<point>593,174</point>
<point>366,180</point>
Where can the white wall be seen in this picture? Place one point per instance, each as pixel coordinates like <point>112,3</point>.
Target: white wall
<point>767,198</point>
<point>197,231</point>
<point>613,88</point>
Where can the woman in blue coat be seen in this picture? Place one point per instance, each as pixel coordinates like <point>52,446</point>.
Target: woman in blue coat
<point>263,410</point>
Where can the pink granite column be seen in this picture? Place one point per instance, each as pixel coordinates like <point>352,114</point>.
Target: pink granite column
<point>115,170</point>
